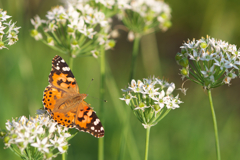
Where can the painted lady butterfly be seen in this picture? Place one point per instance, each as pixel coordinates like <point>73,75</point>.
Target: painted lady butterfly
<point>65,104</point>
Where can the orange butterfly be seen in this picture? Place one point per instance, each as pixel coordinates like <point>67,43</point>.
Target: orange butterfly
<point>65,104</point>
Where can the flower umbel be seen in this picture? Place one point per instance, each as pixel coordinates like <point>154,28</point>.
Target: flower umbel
<point>37,137</point>
<point>8,30</point>
<point>210,62</point>
<point>77,30</point>
<point>151,99</point>
<point>143,17</point>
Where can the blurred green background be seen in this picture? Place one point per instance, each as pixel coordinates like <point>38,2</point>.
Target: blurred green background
<point>185,134</point>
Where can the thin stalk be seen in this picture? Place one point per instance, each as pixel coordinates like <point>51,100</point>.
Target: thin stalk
<point>147,142</point>
<point>215,125</point>
<point>71,67</point>
<point>70,62</point>
<point>100,149</point>
<point>64,156</point>
<point>102,91</point>
<point>121,113</point>
<point>134,56</point>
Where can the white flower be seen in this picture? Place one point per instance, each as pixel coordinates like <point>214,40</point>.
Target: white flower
<point>232,62</point>
<point>136,87</point>
<point>131,36</point>
<point>171,88</point>
<point>183,90</point>
<point>127,98</point>
<point>77,24</point>
<point>8,30</point>
<point>159,99</point>
<point>3,15</point>
<point>59,143</point>
<point>36,22</point>
<point>194,56</point>
<point>209,73</point>
<point>95,53</point>
<point>42,145</point>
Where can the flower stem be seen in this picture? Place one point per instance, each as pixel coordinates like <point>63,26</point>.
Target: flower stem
<point>102,91</point>
<point>215,125</point>
<point>64,156</point>
<point>100,149</point>
<point>70,62</point>
<point>134,55</point>
<point>147,142</point>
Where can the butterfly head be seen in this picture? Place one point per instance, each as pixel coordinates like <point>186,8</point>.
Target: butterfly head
<point>84,96</point>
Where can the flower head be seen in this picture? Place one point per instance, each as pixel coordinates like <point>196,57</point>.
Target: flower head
<point>210,62</point>
<point>39,132</point>
<point>8,30</point>
<point>144,16</point>
<point>77,29</point>
<point>151,99</point>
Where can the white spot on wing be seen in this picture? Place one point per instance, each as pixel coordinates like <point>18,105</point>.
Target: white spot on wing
<point>66,69</point>
<point>62,61</point>
<point>57,68</point>
<point>96,122</point>
<point>101,129</point>
<point>92,128</point>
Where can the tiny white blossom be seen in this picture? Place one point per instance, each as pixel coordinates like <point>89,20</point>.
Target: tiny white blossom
<point>42,144</point>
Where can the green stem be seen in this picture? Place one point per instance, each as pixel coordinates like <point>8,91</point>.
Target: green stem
<point>71,67</point>
<point>70,62</point>
<point>64,156</point>
<point>100,149</point>
<point>134,55</point>
<point>215,125</point>
<point>102,91</point>
<point>147,142</point>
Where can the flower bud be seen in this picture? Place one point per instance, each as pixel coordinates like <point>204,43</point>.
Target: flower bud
<point>34,32</point>
<point>184,71</point>
<point>178,56</point>
<point>183,62</point>
<point>6,139</point>
<point>167,24</point>
<point>156,107</point>
<point>111,43</point>
<point>203,45</point>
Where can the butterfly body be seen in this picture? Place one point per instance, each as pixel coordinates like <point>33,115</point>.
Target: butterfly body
<point>65,104</point>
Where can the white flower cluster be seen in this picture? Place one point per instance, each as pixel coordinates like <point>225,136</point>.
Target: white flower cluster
<point>151,94</point>
<point>110,4</point>
<point>8,30</point>
<point>39,132</point>
<point>215,61</point>
<point>78,25</point>
<point>154,13</point>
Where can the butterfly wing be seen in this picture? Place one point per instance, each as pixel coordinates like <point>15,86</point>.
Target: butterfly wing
<point>87,120</point>
<point>64,103</point>
<point>58,95</point>
<point>61,76</point>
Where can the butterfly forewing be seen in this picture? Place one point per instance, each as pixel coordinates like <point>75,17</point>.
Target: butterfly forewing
<point>61,75</point>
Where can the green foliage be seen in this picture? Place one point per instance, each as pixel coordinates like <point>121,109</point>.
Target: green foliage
<point>184,134</point>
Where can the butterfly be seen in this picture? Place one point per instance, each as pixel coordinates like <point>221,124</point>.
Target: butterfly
<point>64,103</point>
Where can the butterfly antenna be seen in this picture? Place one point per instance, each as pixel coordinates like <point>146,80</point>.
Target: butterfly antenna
<point>89,85</point>
<point>91,96</point>
<point>97,98</point>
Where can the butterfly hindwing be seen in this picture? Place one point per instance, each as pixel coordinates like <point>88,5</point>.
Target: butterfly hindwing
<point>88,121</point>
